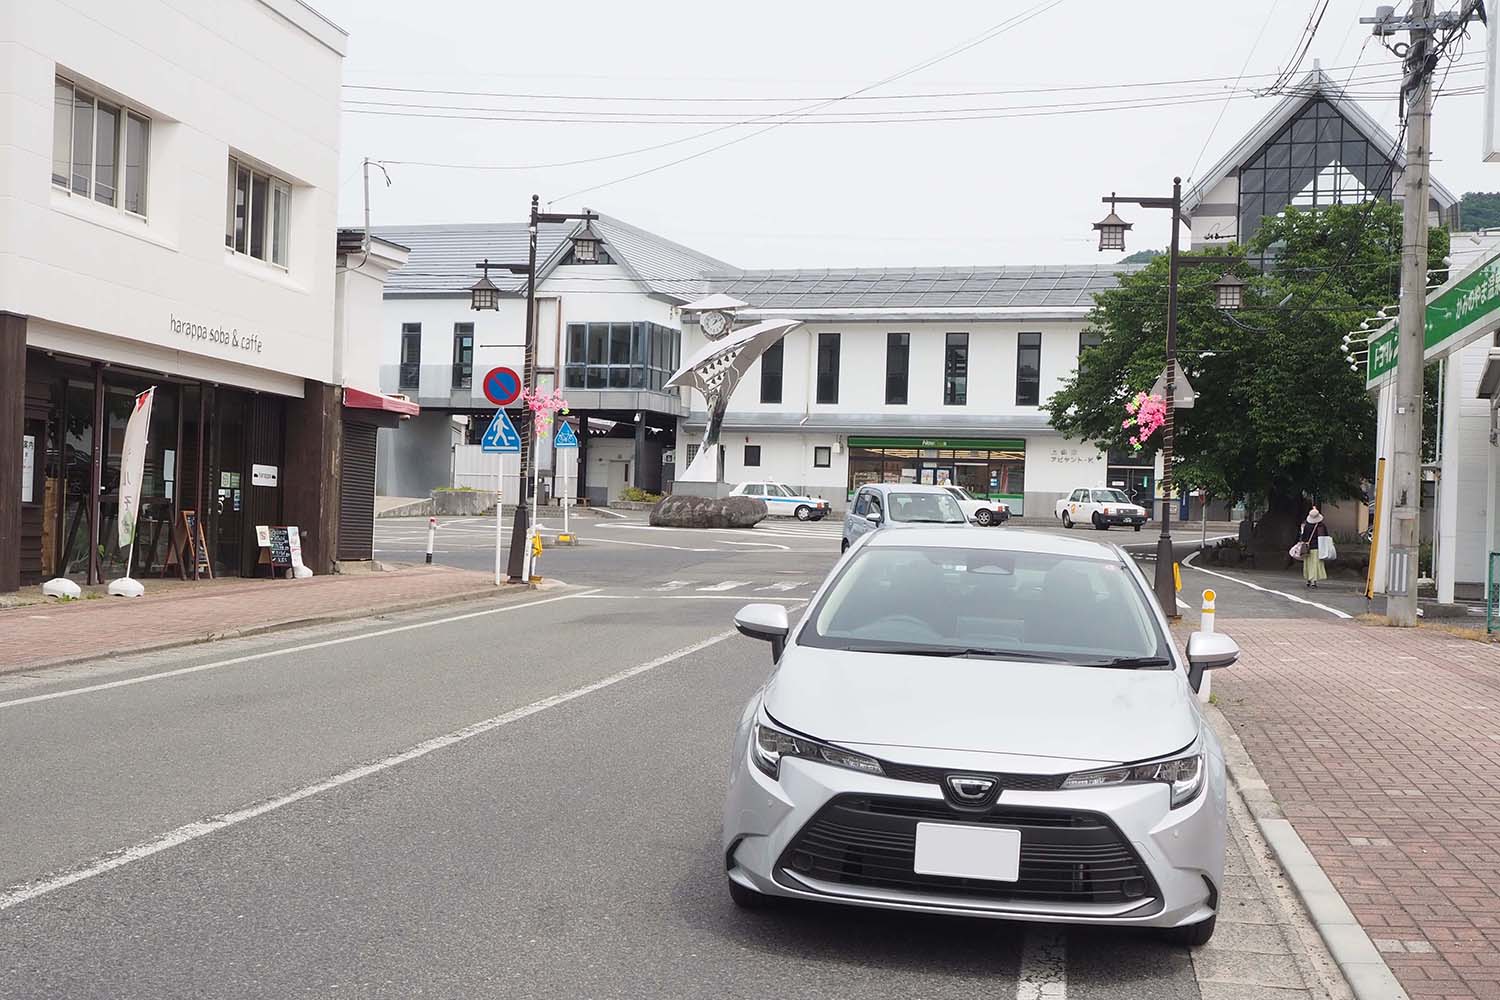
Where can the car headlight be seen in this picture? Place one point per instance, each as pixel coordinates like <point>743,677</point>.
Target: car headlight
<point>769,743</point>
<point>1183,774</point>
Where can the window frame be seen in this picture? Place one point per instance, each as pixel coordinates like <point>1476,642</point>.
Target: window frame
<point>773,383</point>
<point>1029,342</point>
<point>649,355</point>
<point>893,345</point>
<point>463,371</point>
<point>826,391</point>
<point>956,369</point>
<point>411,333</point>
<point>752,456</point>
<point>274,216</point>
<point>822,456</point>
<point>124,147</point>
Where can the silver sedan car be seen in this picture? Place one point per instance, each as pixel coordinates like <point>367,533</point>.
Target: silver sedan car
<point>991,724</point>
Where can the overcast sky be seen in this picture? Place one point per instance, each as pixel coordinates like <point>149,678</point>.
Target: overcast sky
<point>1006,188</point>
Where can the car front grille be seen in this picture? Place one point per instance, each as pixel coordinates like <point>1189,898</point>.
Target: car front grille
<point>1067,856</point>
<point>934,776</point>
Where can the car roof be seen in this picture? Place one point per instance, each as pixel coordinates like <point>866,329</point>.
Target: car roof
<point>905,488</point>
<point>1008,540</point>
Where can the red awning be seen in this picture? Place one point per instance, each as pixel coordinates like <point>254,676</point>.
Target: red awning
<point>359,399</point>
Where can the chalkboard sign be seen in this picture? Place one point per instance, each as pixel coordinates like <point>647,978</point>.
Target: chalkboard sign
<point>281,548</point>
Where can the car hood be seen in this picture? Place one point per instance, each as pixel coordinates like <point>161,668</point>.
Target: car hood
<point>983,706</point>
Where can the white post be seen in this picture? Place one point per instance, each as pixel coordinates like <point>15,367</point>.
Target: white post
<point>499,514</point>
<point>1203,509</point>
<point>431,536</point>
<point>1445,559</point>
<point>566,497</point>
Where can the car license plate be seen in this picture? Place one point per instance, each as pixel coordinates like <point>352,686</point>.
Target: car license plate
<point>968,852</point>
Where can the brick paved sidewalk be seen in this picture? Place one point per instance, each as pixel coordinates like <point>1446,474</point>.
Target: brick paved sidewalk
<point>1382,747</point>
<point>178,612</point>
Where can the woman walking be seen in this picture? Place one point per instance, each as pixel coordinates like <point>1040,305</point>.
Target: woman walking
<point>1312,563</point>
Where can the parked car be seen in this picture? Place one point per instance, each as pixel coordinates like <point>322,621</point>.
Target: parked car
<point>1101,507</point>
<point>982,723</point>
<point>982,512</point>
<point>782,502</point>
<point>899,505</point>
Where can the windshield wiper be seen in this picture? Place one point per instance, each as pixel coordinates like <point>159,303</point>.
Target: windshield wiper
<point>1130,662</point>
<point>989,654</point>
<point>931,520</point>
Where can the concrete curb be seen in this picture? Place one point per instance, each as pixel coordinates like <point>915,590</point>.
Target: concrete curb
<point>1353,951</point>
<point>252,630</point>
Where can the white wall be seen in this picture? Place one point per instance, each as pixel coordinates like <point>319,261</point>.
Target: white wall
<point>259,78</point>
<point>359,311</point>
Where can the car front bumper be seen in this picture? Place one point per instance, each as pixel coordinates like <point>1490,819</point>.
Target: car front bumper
<point>783,837</point>
<point>1123,518</point>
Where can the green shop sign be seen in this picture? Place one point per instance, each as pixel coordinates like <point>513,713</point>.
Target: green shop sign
<point>1457,314</point>
<point>969,444</point>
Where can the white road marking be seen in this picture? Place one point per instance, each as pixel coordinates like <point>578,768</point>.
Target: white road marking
<point>673,585</point>
<point>251,657</point>
<point>782,585</point>
<point>1188,562</point>
<point>606,510</point>
<point>192,831</point>
<point>1044,965</point>
<point>764,545</point>
<point>680,597</point>
<point>653,545</point>
<point>725,585</point>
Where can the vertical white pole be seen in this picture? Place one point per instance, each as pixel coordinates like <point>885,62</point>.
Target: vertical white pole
<point>566,496</point>
<point>431,536</point>
<point>500,516</point>
<point>1450,465</point>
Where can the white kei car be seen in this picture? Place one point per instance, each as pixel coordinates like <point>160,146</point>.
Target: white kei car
<point>782,502</point>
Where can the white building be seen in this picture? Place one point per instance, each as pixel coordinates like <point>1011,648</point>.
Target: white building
<point>907,374</point>
<point>167,217</point>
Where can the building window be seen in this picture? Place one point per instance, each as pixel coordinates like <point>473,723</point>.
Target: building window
<point>1086,340</point>
<point>463,355</point>
<point>411,356</point>
<point>752,456</point>
<point>258,216</point>
<point>897,366</point>
<point>621,355</point>
<point>956,370</point>
<point>770,372</point>
<point>1028,369</point>
<point>828,368</point>
<point>99,149</point>
<point>822,456</point>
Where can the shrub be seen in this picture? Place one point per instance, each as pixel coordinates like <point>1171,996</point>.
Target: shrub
<point>634,494</point>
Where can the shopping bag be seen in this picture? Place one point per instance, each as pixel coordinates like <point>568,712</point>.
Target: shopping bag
<point>1298,550</point>
<point>1326,550</point>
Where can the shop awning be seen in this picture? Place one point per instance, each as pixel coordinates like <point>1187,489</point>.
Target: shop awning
<point>359,399</point>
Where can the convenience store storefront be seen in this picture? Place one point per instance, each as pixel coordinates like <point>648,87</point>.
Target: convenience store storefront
<point>993,468</point>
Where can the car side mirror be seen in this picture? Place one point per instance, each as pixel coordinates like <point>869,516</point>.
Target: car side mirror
<point>767,622</point>
<point>874,517</point>
<point>1209,651</point>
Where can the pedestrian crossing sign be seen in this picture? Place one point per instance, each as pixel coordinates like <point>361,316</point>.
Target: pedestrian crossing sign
<point>565,437</point>
<point>501,436</point>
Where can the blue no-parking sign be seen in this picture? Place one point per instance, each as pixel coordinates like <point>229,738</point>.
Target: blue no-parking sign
<point>500,437</point>
<point>565,437</point>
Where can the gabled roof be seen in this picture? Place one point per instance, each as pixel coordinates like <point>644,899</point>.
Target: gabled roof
<point>1065,285</point>
<point>443,257</point>
<point>1312,86</point>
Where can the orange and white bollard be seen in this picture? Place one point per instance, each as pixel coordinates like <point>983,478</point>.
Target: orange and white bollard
<point>1206,620</point>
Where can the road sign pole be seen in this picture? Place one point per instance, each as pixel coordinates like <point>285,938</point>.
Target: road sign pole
<point>499,518</point>
<point>564,498</point>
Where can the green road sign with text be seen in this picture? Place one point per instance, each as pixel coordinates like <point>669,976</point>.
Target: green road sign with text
<point>1456,315</point>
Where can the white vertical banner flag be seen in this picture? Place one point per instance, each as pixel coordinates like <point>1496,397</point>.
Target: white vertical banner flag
<point>133,465</point>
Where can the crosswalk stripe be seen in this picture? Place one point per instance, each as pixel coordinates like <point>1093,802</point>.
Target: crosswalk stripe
<point>672,585</point>
<point>726,585</point>
<point>783,585</point>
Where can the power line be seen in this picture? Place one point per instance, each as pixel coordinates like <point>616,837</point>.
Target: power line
<point>1233,87</point>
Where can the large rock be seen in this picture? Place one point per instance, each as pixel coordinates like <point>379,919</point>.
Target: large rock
<point>679,511</point>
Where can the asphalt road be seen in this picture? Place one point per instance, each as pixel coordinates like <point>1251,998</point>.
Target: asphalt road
<point>518,798</point>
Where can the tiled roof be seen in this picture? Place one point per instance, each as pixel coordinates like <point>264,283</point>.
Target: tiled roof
<point>924,287</point>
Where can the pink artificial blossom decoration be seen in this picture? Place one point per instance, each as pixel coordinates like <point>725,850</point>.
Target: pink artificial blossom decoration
<point>542,404</point>
<point>1148,414</point>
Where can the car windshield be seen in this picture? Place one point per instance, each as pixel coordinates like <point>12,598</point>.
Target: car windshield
<point>924,508</point>
<point>960,492</point>
<point>772,490</point>
<point>1035,606</point>
<point>1110,496</point>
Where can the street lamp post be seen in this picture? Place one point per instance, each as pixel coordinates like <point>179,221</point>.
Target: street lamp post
<point>484,296</point>
<point>1111,231</point>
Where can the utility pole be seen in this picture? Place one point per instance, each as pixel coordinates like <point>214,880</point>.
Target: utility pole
<point>1406,428</point>
<point>521,523</point>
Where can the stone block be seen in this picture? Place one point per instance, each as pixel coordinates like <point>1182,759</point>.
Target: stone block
<point>679,511</point>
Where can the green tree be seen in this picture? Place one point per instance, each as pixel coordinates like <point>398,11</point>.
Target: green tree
<point>1279,416</point>
<point>1479,210</point>
<point>1141,257</point>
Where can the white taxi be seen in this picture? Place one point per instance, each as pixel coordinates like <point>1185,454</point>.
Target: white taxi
<point>1101,507</point>
<point>782,502</point>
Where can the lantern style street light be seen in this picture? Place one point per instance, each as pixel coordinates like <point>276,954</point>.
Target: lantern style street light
<point>586,245</point>
<point>483,295</point>
<point>1112,237</point>
<point>1230,291</point>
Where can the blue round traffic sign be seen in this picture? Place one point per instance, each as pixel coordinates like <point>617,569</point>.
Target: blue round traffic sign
<point>502,386</point>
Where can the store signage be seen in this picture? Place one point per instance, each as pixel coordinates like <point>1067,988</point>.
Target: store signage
<point>248,343</point>
<point>28,467</point>
<point>1457,314</point>
<point>999,444</point>
<point>263,475</point>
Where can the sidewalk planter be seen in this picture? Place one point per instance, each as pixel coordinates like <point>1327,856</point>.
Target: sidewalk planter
<point>457,503</point>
